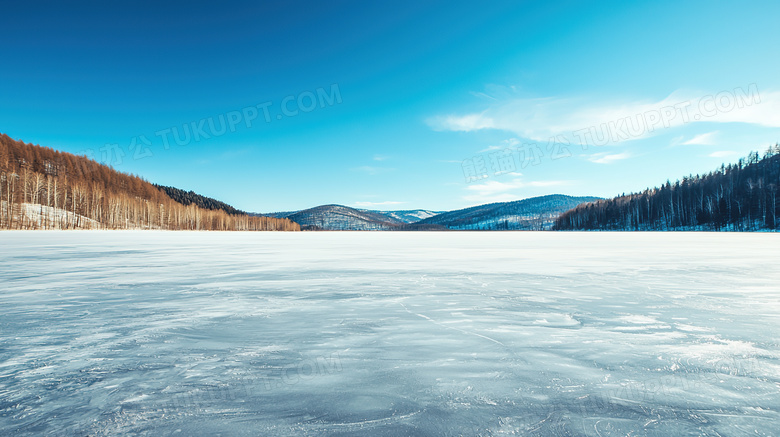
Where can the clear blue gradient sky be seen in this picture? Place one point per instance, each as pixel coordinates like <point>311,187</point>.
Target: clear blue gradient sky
<point>422,86</point>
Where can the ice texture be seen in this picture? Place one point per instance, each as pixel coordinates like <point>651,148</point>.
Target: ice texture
<point>366,333</point>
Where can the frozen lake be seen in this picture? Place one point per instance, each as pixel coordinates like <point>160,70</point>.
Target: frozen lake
<point>560,334</point>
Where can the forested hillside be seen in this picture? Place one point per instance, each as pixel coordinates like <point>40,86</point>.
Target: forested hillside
<point>41,188</point>
<point>738,197</point>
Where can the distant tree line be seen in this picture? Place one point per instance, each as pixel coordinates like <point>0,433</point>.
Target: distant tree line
<point>737,197</point>
<point>41,188</point>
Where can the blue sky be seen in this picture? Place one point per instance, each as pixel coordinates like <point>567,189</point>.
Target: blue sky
<point>439,105</point>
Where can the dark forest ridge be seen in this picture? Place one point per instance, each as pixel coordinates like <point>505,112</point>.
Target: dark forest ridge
<point>191,197</point>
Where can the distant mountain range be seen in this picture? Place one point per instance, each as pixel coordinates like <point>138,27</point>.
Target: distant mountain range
<point>344,218</point>
<point>46,189</point>
<point>529,214</point>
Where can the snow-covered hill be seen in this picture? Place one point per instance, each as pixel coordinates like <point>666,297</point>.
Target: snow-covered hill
<point>409,215</point>
<point>536,213</point>
<point>340,218</point>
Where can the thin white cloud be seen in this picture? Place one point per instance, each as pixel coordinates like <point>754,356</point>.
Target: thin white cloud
<point>608,158</point>
<point>483,95</point>
<point>508,143</point>
<point>381,158</point>
<point>490,149</point>
<point>706,139</point>
<point>503,191</point>
<point>479,199</point>
<point>493,186</point>
<point>676,141</point>
<point>599,122</point>
<point>546,183</point>
<point>463,123</point>
<point>376,204</point>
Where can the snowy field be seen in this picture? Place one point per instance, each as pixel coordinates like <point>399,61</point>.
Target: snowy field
<point>560,334</point>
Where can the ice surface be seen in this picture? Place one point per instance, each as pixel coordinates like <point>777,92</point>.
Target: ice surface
<point>336,333</point>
